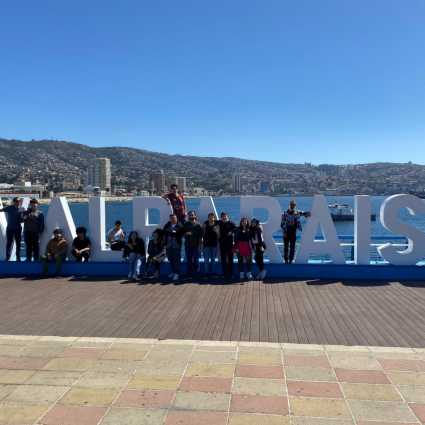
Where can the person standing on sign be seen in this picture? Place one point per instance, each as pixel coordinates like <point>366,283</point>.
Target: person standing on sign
<point>178,203</point>
<point>14,227</point>
<point>33,228</point>
<point>290,224</point>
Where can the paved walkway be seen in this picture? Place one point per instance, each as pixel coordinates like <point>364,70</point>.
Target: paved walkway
<point>85,381</point>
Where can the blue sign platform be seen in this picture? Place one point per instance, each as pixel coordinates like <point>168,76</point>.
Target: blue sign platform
<point>314,270</point>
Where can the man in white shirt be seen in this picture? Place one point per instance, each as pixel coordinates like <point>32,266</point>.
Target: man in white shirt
<point>116,237</point>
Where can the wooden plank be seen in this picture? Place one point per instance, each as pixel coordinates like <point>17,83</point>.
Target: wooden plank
<point>255,312</point>
<point>271,314</point>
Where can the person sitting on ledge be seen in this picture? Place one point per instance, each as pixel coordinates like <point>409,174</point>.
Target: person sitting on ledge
<point>56,250</point>
<point>114,236</point>
<point>81,245</point>
<point>135,250</point>
<point>156,253</point>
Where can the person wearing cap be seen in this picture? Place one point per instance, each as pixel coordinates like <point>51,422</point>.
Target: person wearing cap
<point>33,220</point>
<point>56,250</point>
<point>14,227</point>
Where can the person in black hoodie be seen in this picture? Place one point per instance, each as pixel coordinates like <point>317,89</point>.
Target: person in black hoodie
<point>257,245</point>
<point>227,229</point>
<point>135,250</point>
<point>173,245</point>
<point>156,252</point>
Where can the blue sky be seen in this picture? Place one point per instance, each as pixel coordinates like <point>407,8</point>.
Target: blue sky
<point>287,81</point>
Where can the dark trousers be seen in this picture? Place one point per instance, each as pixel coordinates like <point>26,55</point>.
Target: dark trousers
<point>13,234</point>
<point>117,246</point>
<point>192,258</point>
<point>181,219</point>
<point>259,256</point>
<point>226,256</point>
<point>174,256</point>
<point>149,263</point>
<point>31,241</point>
<point>289,241</point>
<point>84,255</point>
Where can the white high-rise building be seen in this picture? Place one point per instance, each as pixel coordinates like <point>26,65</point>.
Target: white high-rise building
<point>179,181</point>
<point>99,173</point>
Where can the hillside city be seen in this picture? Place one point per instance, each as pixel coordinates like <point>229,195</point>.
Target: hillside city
<point>62,167</point>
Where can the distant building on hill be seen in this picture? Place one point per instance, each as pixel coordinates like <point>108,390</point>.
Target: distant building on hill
<point>179,181</point>
<point>99,173</point>
<point>236,182</point>
<point>157,182</point>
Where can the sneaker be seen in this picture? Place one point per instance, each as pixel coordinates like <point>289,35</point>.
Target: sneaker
<point>263,274</point>
<point>171,275</point>
<point>249,275</point>
<point>130,274</point>
<point>134,276</point>
<point>139,283</point>
<point>176,277</point>
<point>259,276</point>
<point>146,276</point>
<point>214,276</point>
<point>7,260</point>
<point>58,276</point>
<point>156,275</point>
<point>45,274</point>
<point>286,261</point>
<point>241,275</point>
<point>125,259</point>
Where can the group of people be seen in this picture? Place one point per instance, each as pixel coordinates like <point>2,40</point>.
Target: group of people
<point>246,240</point>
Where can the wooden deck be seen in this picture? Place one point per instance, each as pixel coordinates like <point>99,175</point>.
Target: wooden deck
<point>307,312</point>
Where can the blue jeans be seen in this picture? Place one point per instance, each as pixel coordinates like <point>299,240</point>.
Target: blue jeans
<point>192,257</point>
<point>174,256</point>
<point>13,234</point>
<point>209,252</point>
<point>135,263</point>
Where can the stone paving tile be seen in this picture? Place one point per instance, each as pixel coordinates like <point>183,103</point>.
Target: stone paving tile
<point>93,342</point>
<point>217,348</point>
<point>381,411</point>
<point>402,365</point>
<point>201,401</point>
<point>59,340</point>
<point>9,350</point>
<point>263,359</point>
<point>192,418</point>
<point>20,413</point>
<point>362,376</point>
<point>152,382</point>
<point>177,342</point>
<point>103,380</point>
<point>72,415</point>
<point>147,399</point>
<point>71,365</point>
<point>5,390</point>
<point>14,342</point>
<point>260,344</point>
<point>371,392</point>
<point>361,363</point>
<point>131,346</point>
<point>266,404</point>
<point>15,376</point>
<point>419,410</point>
<point>304,420</point>
<point>256,350</point>
<point>254,371</point>
<point>81,353</point>
<point>213,357</point>
<point>385,423</point>
<point>168,356</point>
<point>201,384</point>
<point>377,350</point>
<point>210,369</point>
<point>90,396</point>
<point>413,394</point>
<point>149,341</point>
<point>132,416</point>
<point>170,347</point>
<point>407,356</point>
<point>234,344</point>
<point>310,374</point>
<point>314,389</point>
<point>303,352</point>
<point>115,366</point>
<point>160,368</point>
<point>259,386</point>
<point>136,355</point>
<point>407,378</point>
<point>320,407</point>
<point>27,338</point>
<point>53,377</point>
<point>39,351</point>
<point>306,361</point>
<point>24,363</point>
<point>36,394</point>
<point>256,419</point>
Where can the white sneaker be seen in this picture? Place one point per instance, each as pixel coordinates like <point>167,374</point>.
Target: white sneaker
<point>259,276</point>
<point>171,275</point>
<point>156,275</point>
<point>176,277</point>
<point>249,275</point>
<point>130,274</point>
<point>135,276</point>
<point>263,274</point>
<point>241,275</point>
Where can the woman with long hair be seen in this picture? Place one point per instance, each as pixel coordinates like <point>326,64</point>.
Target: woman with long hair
<point>156,252</point>
<point>135,250</point>
<point>242,248</point>
<point>258,246</point>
